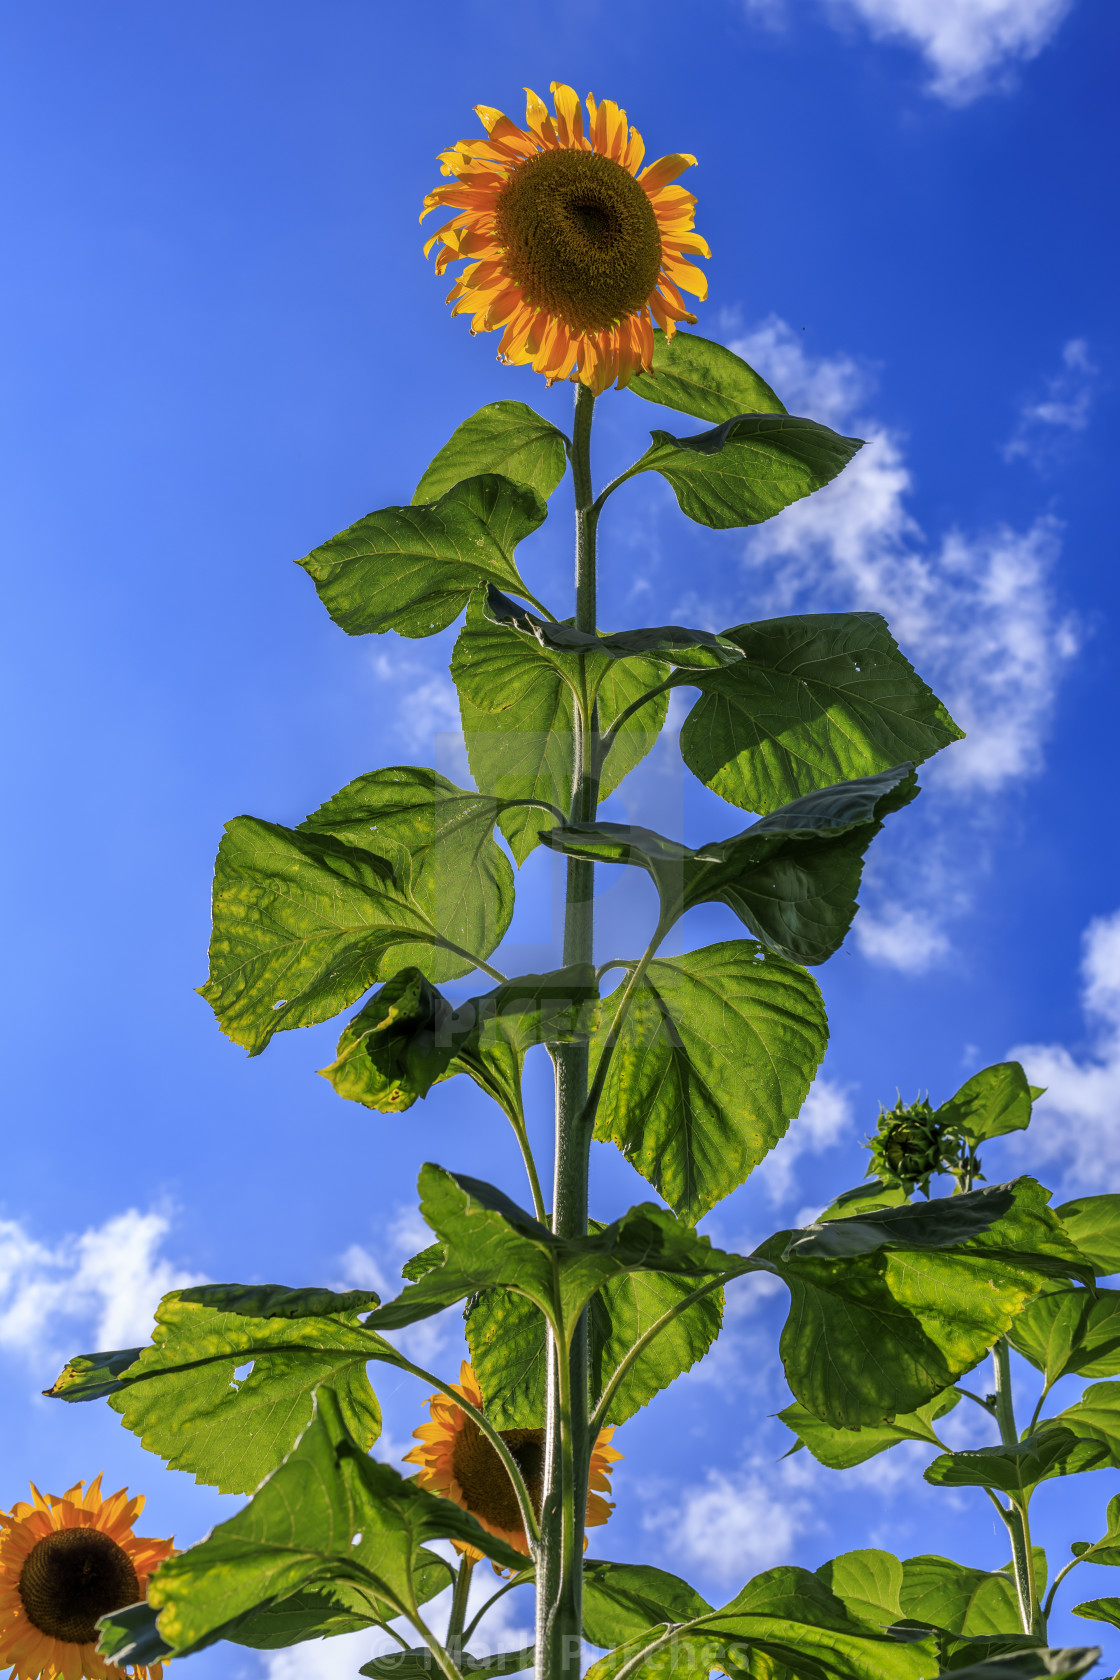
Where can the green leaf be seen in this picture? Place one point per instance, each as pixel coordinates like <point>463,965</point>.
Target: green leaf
<point>419,1664</point>
<point>791,878</point>
<point>749,468</point>
<point>182,1396</point>
<point>621,1601</point>
<point>691,650</point>
<point>1019,1468</point>
<point>307,919</point>
<point>791,1618</point>
<point>489,1242</point>
<point>1107,1549</point>
<point>129,1636</point>
<point>865,1198</point>
<point>695,376</point>
<point>460,877</point>
<point>1095,1417</point>
<point>408,1037</point>
<point>1094,1224</point>
<point>819,698</point>
<point>1040,1664</point>
<point>1071,1331</point>
<point>714,1059</point>
<point>841,1449</point>
<point>328,1517</point>
<point>880,1333</point>
<point>940,1222</point>
<point>868,1582</point>
<point>508,438</point>
<point>993,1102</point>
<point>961,1600</point>
<point>413,569</point>
<point>507,1340</point>
<point>307,1615</point>
<point>518,713</point>
<point>1099,1610</point>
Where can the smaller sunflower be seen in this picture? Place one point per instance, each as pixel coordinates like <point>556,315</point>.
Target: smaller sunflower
<point>63,1563</point>
<point>457,1461</point>
<point>573,249</point>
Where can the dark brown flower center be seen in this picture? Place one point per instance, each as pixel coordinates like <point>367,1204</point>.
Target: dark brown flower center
<point>483,1477</point>
<point>580,238</point>
<point>72,1577</point>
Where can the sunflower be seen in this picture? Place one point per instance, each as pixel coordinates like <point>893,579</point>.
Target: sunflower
<point>574,249</point>
<point>458,1461</point>
<point>63,1563</point>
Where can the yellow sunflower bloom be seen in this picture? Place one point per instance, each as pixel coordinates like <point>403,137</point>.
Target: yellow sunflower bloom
<point>574,249</point>
<point>63,1563</point>
<point>457,1461</point>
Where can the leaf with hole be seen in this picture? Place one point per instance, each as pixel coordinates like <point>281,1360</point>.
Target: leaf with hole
<point>185,1399</point>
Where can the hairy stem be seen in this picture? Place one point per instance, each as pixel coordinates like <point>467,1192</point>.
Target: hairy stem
<point>1030,1612</point>
<point>567,1455</point>
<point>459,1605</point>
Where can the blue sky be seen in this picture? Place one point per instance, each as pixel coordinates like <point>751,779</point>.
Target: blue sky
<point>225,345</point>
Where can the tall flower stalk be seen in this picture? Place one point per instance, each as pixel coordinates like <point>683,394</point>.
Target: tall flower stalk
<point>692,1066</point>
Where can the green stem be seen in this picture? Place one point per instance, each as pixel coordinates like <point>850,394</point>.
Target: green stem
<point>470,956</point>
<point>1018,1526</point>
<point>626,999</point>
<point>459,1606</point>
<point>522,1136</point>
<point>566,1455</point>
<point>607,740</point>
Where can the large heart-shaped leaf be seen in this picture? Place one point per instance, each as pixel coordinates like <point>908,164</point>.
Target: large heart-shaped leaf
<point>957,1598</point>
<point>623,1600</point>
<point>399,870</point>
<point>413,569</point>
<point>749,468</point>
<point>696,376</point>
<point>227,1386</point>
<point>330,1518</point>
<point>817,699</point>
<point>791,878</point>
<point>713,1060</point>
<point>508,438</point>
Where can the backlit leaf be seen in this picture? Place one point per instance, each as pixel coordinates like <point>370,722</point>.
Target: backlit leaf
<point>714,1059</point>
<point>992,1102</point>
<point>1017,1469</point>
<point>508,438</point>
<point>791,878</point>
<point>698,377</point>
<point>1071,1331</point>
<point>1096,1417</point>
<point>841,1449</point>
<point>184,1397</point>
<point>1094,1224</point>
<point>748,468</point>
<point>624,1600</point>
<point>959,1599</point>
<point>413,569</point>
<point>819,698</point>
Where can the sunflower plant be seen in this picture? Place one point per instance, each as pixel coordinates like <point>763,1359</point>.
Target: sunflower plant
<point>692,1066</point>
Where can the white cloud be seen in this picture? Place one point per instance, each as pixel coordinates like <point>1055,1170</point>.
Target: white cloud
<point>969,45</point>
<point>974,609</point>
<point>825,1118</point>
<point>1077,1123</point>
<point>908,940</point>
<point>1047,422</point>
<point>734,1525</point>
<point>429,1342</point>
<point>427,703</point>
<point>105,1282</point>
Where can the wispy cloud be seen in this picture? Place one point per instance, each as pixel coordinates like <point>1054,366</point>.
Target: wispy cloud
<point>732,1525</point>
<point>1077,1123</point>
<point>103,1283</point>
<point>1046,424</point>
<point>825,1119</point>
<point>970,46</point>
